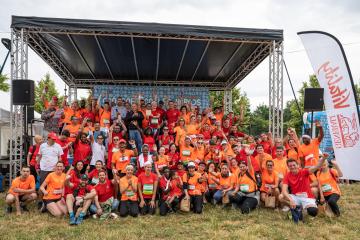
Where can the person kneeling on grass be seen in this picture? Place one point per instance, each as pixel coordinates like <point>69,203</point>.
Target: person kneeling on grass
<point>81,199</point>
<point>225,183</point>
<point>129,193</point>
<point>245,196</point>
<point>270,183</point>
<point>192,187</point>
<point>301,196</point>
<point>147,187</point>
<point>171,187</point>
<point>21,192</point>
<point>104,200</point>
<point>53,190</point>
<point>330,191</point>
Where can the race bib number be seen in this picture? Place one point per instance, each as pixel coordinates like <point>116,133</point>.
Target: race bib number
<point>244,187</point>
<point>212,186</point>
<point>129,193</point>
<point>58,191</point>
<point>154,121</point>
<point>302,194</point>
<point>326,188</point>
<point>191,187</point>
<point>148,189</point>
<point>186,153</point>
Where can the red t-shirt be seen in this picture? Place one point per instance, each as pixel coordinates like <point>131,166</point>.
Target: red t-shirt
<point>206,134</point>
<point>104,190</point>
<point>34,152</point>
<point>81,152</point>
<point>110,153</point>
<point>82,191</point>
<point>174,159</point>
<point>74,179</point>
<point>267,146</point>
<point>149,140</point>
<point>94,176</point>
<point>299,183</point>
<point>172,115</point>
<point>156,116</point>
<point>146,183</point>
<point>89,115</point>
<point>64,156</point>
<point>181,173</point>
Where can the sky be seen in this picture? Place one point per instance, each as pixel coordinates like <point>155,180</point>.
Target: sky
<point>340,18</point>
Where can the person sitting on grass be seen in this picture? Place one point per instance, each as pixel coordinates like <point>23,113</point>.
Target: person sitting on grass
<point>129,193</point>
<point>21,192</point>
<point>94,174</point>
<point>53,190</point>
<point>171,187</point>
<point>301,196</point>
<point>147,185</point>
<point>246,195</point>
<point>104,201</point>
<point>329,189</point>
<point>270,183</point>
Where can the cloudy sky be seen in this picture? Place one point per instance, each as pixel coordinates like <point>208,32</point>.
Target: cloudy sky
<point>340,18</point>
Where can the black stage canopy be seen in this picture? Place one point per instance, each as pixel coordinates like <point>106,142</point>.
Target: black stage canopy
<point>85,53</point>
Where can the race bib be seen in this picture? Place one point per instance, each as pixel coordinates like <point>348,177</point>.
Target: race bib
<point>124,159</point>
<point>269,186</point>
<point>129,193</point>
<point>212,186</point>
<point>244,187</point>
<point>302,194</point>
<point>148,189</point>
<point>154,121</point>
<point>58,191</point>
<point>326,188</point>
<point>191,187</point>
<point>186,153</point>
<point>106,121</point>
<point>94,181</point>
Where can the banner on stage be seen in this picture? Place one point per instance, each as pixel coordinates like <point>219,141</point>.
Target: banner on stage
<point>333,73</point>
<point>195,96</point>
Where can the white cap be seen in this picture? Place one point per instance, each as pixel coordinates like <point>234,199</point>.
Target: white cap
<point>223,142</point>
<point>191,164</point>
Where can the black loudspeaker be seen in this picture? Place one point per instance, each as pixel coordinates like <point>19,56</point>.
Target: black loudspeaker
<point>313,99</point>
<point>23,92</point>
<point>29,113</point>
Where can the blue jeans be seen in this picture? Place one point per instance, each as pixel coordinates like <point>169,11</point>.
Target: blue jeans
<point>218,195</point>
<point>115,206</point>
<point>136,136</point>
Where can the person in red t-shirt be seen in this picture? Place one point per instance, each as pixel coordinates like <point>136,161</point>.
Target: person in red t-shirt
<point>266,141</point>
<point>165,139</point>
<point>301,196</point>
<point>147,186</point>
<point>174,157</point>
<point>172,115</point>
<point>94,174</point>
<point>31,157</point>
<point>155,119</point>
<point>148,138</point>
<point>82,151</point>
<point>65,145</point>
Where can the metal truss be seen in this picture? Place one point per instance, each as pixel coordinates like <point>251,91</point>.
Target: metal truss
<point>19,70</point>
<point>276,89</point>
<point>227,100</point>
<point>72,93</point>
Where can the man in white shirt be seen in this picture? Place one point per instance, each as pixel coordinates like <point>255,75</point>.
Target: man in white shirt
<point>49,154</point>
<point>98,150</point>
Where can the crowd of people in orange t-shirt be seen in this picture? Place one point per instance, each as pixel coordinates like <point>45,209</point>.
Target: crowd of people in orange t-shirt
<point>118,158</point>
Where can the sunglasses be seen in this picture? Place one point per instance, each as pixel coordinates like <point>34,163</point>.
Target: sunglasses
<point>116,139</point>
<point>99,138</point>
<point>270,165</point>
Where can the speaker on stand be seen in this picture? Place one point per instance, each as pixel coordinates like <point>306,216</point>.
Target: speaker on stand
<point>313,101</point>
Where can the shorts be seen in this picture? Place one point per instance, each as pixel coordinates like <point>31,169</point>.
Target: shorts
<point>303,201</point>
<point>43,175</point>
<point>46,202</point>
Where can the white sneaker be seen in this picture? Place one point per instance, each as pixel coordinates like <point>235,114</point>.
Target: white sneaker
<point>285,209</point>
<point>95,216</point>
<point>113,215</point>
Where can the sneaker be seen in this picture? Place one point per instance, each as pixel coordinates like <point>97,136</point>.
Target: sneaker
<point>80,219</point>
<point>9,209</point>
<point>72,220</point>
<point>296,214</point>
<point>114,216</point>
<point>285,209</point>
<point>95,216</point>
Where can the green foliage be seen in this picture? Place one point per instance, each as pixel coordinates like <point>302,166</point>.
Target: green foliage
<point>40,91</point>
<point>4,86</point>
<point>260,119</point>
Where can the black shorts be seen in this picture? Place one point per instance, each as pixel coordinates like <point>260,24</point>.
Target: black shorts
<point>46,202</point>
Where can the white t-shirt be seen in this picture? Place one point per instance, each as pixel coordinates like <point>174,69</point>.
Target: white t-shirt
<point>49,156</point>
<point>98,153</point>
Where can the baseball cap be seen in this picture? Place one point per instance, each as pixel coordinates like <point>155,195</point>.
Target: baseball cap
<point>191,164</point>
<point>84,177</point>
<point>223,142</point>
<point>306,136</point>
<point>122,141</point>
<point>52,136</point>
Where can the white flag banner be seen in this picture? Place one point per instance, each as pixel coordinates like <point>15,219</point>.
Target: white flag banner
<point>330,65</point>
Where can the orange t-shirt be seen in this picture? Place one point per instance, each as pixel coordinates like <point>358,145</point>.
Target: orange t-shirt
<point>211,183</point>
<point>121,160</point>
<point>219,116</point>
<point>54,186</point>
<point>227,182</point>
<point>291,153</point>
<point>186,153</point>
<point>186,117</point>
<point>73,130</point>
<point>227,153</point>
<point>180,135</point>
<point>328,183</point>
<point>246,184</point>
<point>280,167</point>
<point>194,187</point>
<point>129,194</point>
<point>235,170</point>
<point>26,184</point>
<point>261,160</point>
<point>104,117</point>
<point>268,180</point>
<point>311,152</point>
<point>200,153</point>
<point>192,129</point>
<point>163,161</point>
<point>69,112</point>
<point>204,183</point>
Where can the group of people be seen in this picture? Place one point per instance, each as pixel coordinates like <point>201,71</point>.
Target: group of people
<point>125,159</point>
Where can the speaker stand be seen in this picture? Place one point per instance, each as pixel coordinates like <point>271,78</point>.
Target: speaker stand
<point>311,122</point>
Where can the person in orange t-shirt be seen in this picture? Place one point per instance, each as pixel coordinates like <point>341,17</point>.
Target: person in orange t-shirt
<point>309,150</point>
<point>329,188</point>
<point>280,165</point>
<point>22,191</point>
<point>261,157</point>
<point>121,158</point>
<point>192,188</point>
<point>269,183</point>
<point>53,190</point>
<point>184,114</point>
<point>293,151</point>
<point>187,152</point>
<point>71,111</point>
<point>162,161</point>
<point>234,167</point>
<point>225,184</point>
<point>245,195</point>
<point>129,193</point>
<point>211,183</point>
<point>73,128</point>
<point>193,127</point>
<point>180,132</point>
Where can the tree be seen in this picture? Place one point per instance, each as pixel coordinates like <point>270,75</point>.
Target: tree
<point>4,86</point>
<point>45,86</point>
<point>260,120</point>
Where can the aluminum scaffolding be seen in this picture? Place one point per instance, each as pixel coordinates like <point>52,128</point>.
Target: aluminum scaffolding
<point>276,89</point>
<point>19,70</point>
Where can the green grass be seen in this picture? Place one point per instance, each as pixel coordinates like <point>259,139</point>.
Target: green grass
<point>214,223</point>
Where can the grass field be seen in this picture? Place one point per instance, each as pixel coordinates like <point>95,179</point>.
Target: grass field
<point>214,223</point>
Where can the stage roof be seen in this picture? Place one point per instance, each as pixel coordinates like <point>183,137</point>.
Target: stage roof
<point>91,52</point>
